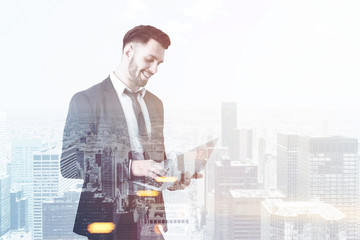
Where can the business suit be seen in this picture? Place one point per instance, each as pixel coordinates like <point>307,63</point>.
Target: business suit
<point>96,148</point>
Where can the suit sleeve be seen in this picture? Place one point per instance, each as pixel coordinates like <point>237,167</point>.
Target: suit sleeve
<point>80,123</point>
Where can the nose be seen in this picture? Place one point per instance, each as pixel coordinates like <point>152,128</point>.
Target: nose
<point>153,68</point>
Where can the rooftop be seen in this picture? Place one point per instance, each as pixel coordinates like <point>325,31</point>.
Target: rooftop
<point>255,193</point>
<point>53,150</point>
<point>293,209</point>
<point>233,163</point>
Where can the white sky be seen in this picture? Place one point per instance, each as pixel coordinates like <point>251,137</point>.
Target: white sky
<point>264,54</point>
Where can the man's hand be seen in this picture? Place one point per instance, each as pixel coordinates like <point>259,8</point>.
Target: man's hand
<point>147,168</point>
<point>184,181</point>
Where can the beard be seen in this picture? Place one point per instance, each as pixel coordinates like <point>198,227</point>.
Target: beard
<point>134,73</point>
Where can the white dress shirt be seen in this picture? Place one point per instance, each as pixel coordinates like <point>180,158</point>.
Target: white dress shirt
<point>130,117</point>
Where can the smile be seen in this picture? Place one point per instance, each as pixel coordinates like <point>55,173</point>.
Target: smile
<point>146,74</point>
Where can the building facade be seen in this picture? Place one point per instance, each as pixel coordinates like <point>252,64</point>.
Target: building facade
<point>230,175</point>
<point>46,183</point>
<point>296,220</point>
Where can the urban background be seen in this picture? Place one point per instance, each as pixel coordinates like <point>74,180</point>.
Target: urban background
<point>280,174</point>
<point>275,80</point>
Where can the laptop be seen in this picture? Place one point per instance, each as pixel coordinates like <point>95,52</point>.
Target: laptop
<point>192,161</point>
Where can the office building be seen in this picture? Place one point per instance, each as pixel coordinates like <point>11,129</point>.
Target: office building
<point>58,215</point>
<point>4,180</point>
<point>230,175</point>
<point>329,170</point>
<point>18,210</point>
<point>3,159</point>
<point>261,158</point>
<point>4,204</point>
<point>228,123</point>
<point>22,172</point>
<point>326,168</point>
<point>22,158</point>
<point>270,172</point>
<point>245,212</point>
<point>282,220</point>
<point>242,145</point>
<point>46,183</point>
<point>287,165</point>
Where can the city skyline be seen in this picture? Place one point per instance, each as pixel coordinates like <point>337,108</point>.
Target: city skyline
<point>202,197</point>
<point>285,69</point>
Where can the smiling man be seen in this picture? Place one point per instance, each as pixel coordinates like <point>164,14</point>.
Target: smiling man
<point>143,64</point>
<point>113,139</point>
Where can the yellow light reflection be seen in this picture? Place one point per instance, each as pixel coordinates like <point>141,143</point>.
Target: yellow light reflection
<point>101,227</point>
<point>166,179</point>
<point>158,228</point>
<point>147,193</point>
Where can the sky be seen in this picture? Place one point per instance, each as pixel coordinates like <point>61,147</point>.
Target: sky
<point>261,54</point>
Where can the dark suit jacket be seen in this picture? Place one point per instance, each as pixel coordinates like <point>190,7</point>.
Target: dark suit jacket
<point>96,148</point>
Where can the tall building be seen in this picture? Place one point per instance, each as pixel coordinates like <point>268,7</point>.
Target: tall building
<point>230,175</point>
<point>269,172</point>
<point>326,168</point>
<point>3,160</point>
<point>108,173</point>
<point>245,212</point>
<point>228,123</point>
<point>59,215</point>
<point>261,158</point>
<point>18,206</point>
<point>4,180</point>
<point>22,158</point>
<point>4,204</point>
<point>329,171</point>
<point>242,145</point>
<point>22,172</point>
<point>282,220</point>
<point>287,165</point>
<point>46,183</point>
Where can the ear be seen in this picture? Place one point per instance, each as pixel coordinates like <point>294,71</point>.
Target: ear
<point>129,51</point>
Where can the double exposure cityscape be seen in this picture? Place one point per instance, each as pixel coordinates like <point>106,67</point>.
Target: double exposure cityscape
<point>290,176</point>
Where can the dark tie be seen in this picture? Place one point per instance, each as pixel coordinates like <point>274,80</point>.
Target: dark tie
<point>138,114</point>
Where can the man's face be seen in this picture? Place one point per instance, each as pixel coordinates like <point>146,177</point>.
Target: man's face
<point>144,62</point>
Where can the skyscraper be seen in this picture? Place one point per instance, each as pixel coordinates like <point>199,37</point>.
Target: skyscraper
<point>261,158</point>
<point>269,172</point>
<point>3,161</point>
<point>242,145</point>
<point>301,220</point>
<point>58,216</point>
<point>21,159</point>
<point>4,204</point>
<point>46,183</point>
<point>22,172</point>
<point>287,165</point>
<point>326,168</point>
<point>4,180</point>
<point>245,212</point>
<point>329,171</point>
<point>230,175</point>
<point>228,123</point>
<point>18,206</point>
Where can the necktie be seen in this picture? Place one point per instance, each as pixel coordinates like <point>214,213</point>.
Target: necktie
<point>138,113</point>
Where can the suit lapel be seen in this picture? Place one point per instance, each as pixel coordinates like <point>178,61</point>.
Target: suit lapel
<point>113,105</point>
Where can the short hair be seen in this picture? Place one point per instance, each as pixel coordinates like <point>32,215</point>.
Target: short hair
<point>143,33</point>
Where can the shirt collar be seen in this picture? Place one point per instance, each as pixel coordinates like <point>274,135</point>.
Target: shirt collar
<point>120,86</point>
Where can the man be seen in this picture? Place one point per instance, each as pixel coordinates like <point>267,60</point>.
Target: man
<point>113,139</point>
